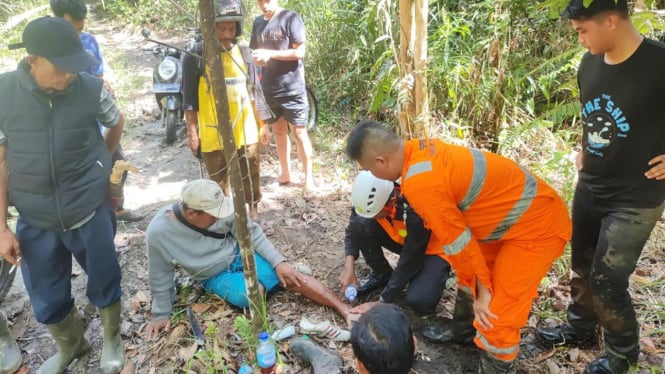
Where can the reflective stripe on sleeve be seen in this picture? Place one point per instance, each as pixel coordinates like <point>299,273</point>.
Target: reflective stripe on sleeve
<point>520,207</point>
<point>459,244</point>
<point>496,350</point>
<point>420,167</point>
<point>477,180</point>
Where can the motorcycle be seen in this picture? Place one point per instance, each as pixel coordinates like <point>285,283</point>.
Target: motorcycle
<point>167,82</point>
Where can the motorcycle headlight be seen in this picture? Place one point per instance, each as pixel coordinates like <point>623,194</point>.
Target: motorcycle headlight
<point>167,69</point>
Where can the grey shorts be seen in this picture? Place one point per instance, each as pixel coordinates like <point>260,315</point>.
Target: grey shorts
<point>294,109</point>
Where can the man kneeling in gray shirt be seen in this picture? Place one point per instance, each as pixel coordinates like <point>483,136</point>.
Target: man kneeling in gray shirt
<point>199,235</point>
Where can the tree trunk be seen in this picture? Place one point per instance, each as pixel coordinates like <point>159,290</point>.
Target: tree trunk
<point>406,107</point>
<point>212,55</point>
<point>420,127</point>
<point>414,118</point>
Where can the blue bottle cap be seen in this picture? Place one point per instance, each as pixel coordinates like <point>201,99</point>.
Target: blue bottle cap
<point>263,336</point>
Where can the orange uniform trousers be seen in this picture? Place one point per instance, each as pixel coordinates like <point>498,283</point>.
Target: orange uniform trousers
<point>500,225</point>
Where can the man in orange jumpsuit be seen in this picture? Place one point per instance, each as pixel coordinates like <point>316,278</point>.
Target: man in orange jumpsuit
<point>501,226</point>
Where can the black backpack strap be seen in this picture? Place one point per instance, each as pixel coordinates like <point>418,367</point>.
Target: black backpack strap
<point>178,214</point>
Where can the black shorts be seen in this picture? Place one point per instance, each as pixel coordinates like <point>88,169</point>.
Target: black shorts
<point>294,109</point>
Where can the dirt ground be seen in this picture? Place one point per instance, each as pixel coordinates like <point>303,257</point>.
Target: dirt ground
<point>307,231</point>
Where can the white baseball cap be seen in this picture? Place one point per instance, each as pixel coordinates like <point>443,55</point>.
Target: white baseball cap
<point>206,195</point>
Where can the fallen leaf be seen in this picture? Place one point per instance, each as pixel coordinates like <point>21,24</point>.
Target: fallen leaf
<point>648,346</point>
<point>186,353</point>
<point>129,368</point>
<point>142,297</point>
<point>175,335</point>
<point>544,356</point>
<point>574,354</point>
<point>200,308</point>
<point>219,314</point>
<point>640,280</point>
<point>553,367</point>
<point>25,369</point>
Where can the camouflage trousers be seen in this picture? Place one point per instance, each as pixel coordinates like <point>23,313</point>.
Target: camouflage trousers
<point>607,243</point>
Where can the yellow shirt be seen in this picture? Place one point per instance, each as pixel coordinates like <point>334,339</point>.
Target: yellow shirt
<point>245,129</point>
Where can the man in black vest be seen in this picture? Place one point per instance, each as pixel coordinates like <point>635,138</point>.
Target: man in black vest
<point>54,168</point>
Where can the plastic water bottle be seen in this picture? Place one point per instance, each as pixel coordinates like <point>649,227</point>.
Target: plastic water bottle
<point>351,292</point>
<point>245,369</point>
<point>266,356</point>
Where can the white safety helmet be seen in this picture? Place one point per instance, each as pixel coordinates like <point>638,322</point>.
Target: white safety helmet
<point>370,194</point>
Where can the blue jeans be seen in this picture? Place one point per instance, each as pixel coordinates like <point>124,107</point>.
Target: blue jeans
<point>606,245</point>
<point>47,264</point>
<point>230,284</point>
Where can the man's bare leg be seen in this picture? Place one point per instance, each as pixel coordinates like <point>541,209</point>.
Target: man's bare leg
<point>281,131</point>
<point>316,291</point>
<point>305,153</point>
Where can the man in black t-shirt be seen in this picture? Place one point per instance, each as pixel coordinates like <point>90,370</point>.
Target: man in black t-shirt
<point>621,188</point>
<point>278,44</point>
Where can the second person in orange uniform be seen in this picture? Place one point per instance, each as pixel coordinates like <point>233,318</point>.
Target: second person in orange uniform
<point>500,226</point>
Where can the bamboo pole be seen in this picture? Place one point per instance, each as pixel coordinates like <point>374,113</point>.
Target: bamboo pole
<point>212,55</point>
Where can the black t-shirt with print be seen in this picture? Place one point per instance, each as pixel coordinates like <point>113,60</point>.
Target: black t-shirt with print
<point>281,32</point>
<point>623,115</point>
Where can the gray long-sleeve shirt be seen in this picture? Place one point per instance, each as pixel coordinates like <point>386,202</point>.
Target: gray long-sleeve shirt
<point>171,243</point>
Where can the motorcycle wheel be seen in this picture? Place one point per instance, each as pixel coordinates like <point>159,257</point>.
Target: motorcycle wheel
<point>171,126</point>
<point>6,278</point>
<point>313,104</point>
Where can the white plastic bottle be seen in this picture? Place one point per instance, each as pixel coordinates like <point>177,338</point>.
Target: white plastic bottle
<point>266,356</point>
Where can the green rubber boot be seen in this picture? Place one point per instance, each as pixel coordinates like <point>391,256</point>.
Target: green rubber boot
<point>68,336</point>
<point>10,354</point>
<point>113,350</point>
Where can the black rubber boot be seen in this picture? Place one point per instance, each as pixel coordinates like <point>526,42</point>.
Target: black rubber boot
<point>322,360</point>
<point>460,328</point>
<point>491,365</point>
<point>10,354</point>
<point>565,334</point>
<point>623,350</point>
<point>374,281</point>
<point>608,364</point>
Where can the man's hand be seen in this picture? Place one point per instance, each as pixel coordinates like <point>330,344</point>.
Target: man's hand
<point>262,56</point>
<point>348,275</point>
<point>657,170</point>
<point>264,134</point>
<point>481,307</point>
<point>288,276</point>
<point>155,327</point>
<point>363,308</point>
<point>9,247</point>
<point>194,142</point>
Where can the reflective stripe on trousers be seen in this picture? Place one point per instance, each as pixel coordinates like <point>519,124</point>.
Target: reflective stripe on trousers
<point>506,354</point>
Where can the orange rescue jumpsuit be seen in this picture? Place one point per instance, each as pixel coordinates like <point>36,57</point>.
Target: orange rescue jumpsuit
<point>498,223</point>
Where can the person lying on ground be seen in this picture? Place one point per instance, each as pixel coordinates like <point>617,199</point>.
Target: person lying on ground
<point>199,234</point>
<point>501,228</point>
<point>382,217</point>
<point>382,341</point>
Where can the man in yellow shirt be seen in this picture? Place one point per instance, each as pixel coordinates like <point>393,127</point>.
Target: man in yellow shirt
<point>246,106</point>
